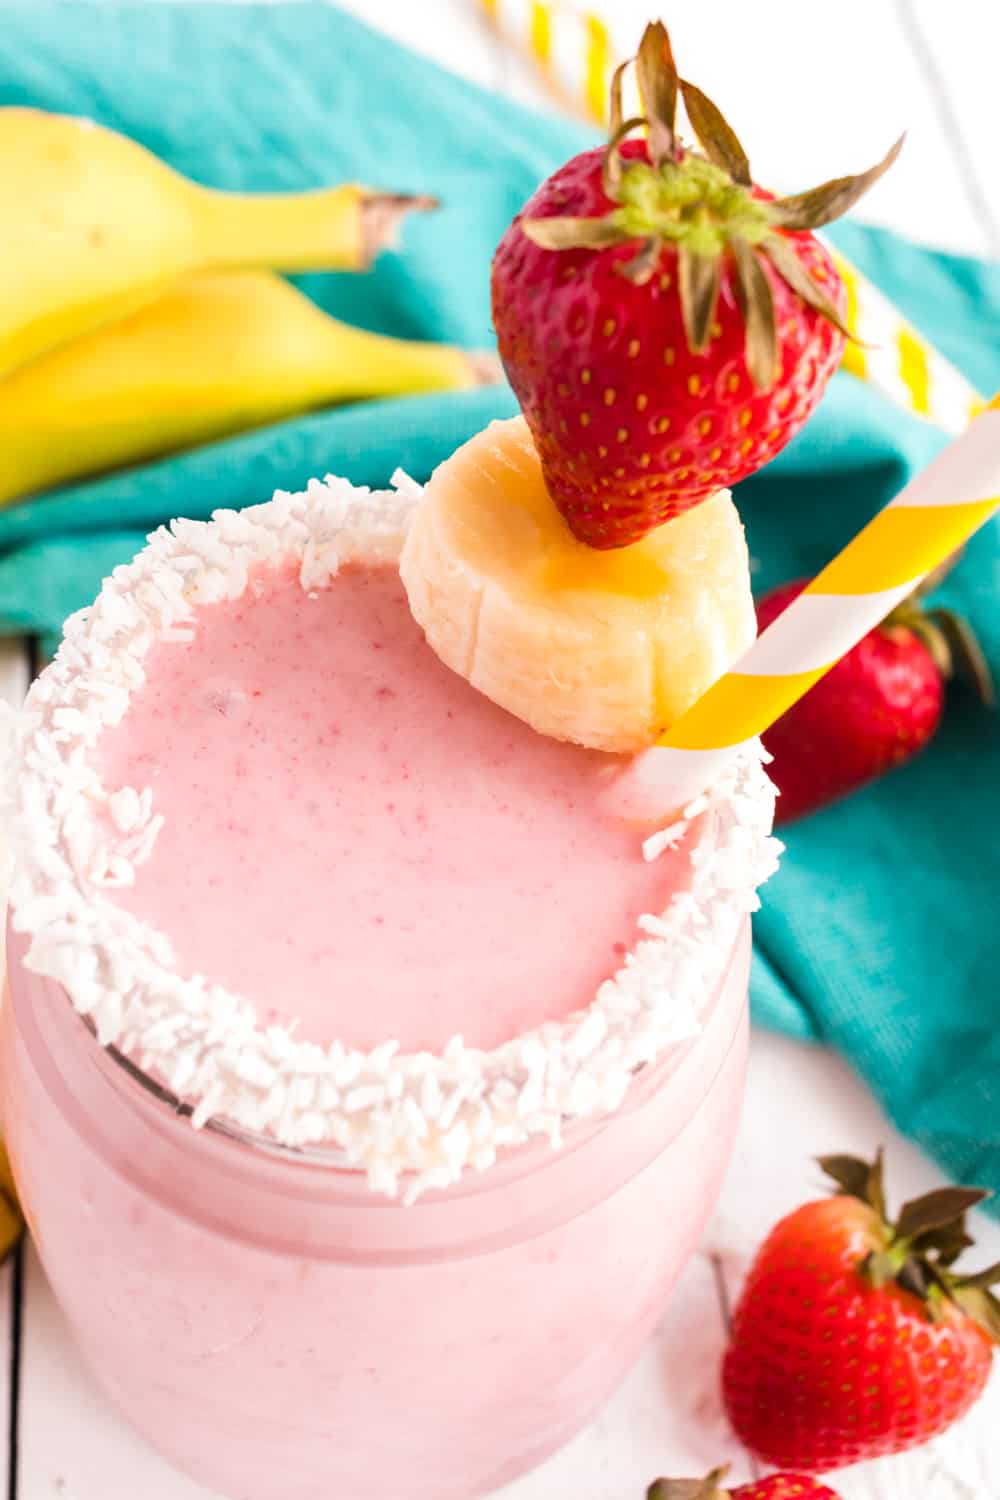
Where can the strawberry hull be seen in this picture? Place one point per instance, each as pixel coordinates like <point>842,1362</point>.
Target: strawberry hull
<point>632,426</point>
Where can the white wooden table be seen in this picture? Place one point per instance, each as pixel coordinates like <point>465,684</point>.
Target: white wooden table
<point>898,63</point>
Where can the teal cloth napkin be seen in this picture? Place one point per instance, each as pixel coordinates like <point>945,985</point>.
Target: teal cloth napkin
<point>878,933</point>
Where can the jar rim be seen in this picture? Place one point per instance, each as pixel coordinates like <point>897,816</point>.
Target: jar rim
<point>428,1114</point>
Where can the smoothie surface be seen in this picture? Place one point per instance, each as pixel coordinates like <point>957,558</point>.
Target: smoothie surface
<point>357,840</point>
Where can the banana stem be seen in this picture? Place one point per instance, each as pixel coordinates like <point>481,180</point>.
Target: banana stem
<point>333,229</point>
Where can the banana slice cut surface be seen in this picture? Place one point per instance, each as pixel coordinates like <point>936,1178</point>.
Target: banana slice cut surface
<point>605,649</point>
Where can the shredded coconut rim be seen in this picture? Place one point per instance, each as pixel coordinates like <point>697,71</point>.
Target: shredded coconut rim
<point>411,1121</point>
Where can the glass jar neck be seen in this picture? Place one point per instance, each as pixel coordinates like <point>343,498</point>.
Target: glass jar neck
<point>283,1200</point>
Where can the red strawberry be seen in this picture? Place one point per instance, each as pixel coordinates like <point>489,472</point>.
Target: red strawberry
<point>875,709</point>
<point>785,1487</point>
<point>854,1337</point>
<point>665,325</point>
<point>774,1487</point>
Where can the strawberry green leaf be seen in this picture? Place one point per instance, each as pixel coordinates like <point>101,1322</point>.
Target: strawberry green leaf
<point>642,266</point>
<point>913,1277</point>
<point>981,1306</point>
<point>860,1179</point>
<point>966,654</point>
<point>880,1267</point>
<point>657,75</point>
<point>615,116</point>
<point>931,636</point>
<point>831,199</point>
<point>928,1237</point>
<point>718,138</point>
<point>676,1489</point>
<point>945,1244</point>
<point>757,303</point>
<point>936,1306</point>
<point>849,1173</point>
<point>698,284</point>
<point>936,1210</point>
<point>875,1190</point>
<point>613,169</point>
<point>558,233</point>
<point>709,1488</point>
<point>783,258</point>
<point>985,1279</point>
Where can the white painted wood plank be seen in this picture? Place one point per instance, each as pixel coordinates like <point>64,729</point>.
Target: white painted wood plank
<point>961,1465</point>
<point>803,1101</point>
<point>7,1278</point>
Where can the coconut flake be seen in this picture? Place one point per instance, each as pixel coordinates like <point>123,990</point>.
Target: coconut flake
<point>667,838</point>
<point>411,1121</point>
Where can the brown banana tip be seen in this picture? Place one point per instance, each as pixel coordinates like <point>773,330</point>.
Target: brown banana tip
<point>381,217</point>
<point>484,367</point>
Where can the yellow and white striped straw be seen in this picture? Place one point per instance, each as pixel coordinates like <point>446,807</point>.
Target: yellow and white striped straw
<point>934,515</point>
<point>926,523</point>
<point>577,52</point>
<point>900,362</point>
<point>575,49</point>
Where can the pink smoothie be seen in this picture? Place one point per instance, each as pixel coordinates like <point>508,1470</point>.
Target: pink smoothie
<point>281,1333</point>
<point>357,839</point>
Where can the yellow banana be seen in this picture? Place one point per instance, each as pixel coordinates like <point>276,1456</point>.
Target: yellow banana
<point>218,353</point>
<point>11,1222</point>
<point>603,648</point>
<point>94,225</point>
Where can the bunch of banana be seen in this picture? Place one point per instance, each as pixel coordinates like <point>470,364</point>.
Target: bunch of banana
<point>217,353</point>
<point>136,316</point>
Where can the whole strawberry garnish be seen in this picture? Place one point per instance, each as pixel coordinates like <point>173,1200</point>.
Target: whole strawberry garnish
<point>853,1336</point>
<point>875,709</point>
<point>774,1487</point>
<point>665,325</point>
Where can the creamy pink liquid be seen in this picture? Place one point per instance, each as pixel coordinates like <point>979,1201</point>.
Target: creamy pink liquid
<point>357,839</point>
<point>283,1334</point>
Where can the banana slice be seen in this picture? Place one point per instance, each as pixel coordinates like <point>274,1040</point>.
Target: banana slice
<point>602,648</point>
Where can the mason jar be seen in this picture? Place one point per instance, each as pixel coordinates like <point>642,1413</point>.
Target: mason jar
<point>281,1332</point>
